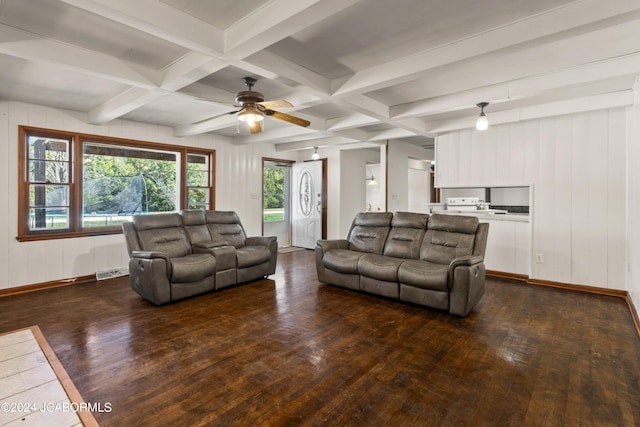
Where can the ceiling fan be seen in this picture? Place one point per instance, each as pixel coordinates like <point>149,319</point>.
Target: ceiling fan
<point>253,108</point>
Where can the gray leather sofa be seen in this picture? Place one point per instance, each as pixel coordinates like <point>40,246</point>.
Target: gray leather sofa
<point>175,256</point>
<point>435,261</point>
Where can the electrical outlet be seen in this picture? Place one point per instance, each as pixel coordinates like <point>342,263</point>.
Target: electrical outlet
<point>539,259</point>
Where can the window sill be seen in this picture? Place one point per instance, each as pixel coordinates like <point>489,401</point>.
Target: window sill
<point>67,235</point>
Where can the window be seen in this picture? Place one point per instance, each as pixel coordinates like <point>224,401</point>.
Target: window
<point>74,184</point>
<point>274,193</point>
<point>198,181</point>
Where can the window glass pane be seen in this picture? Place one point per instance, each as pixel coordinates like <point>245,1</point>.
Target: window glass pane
<point>199,198</point>
<point>197,170</point>
<point>43,148</point>
<point>198,179</point>
<point>47,219</point>
<point>120,181</point>
<point>47,195</point>
<point>273,193</point>
<point>48,171</point>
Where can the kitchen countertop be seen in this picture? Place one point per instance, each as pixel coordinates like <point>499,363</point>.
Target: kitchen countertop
<point>488,215</point>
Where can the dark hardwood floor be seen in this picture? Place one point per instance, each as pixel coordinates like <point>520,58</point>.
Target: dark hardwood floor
<point>291,351</point>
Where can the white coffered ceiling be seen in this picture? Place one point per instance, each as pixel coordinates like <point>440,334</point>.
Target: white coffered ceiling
<point>360,71</point>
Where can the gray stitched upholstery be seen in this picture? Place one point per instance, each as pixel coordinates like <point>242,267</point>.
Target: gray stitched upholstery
<point>175,256</point>
<point>369,231</point>
<point>406,234</point>
<point>195,225</point>
<point>435,261</point>
<point>226,226</point>
<point>162,233</point>
<point>448,237</point>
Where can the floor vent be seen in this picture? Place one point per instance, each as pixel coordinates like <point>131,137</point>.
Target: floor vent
<point>110,274</point>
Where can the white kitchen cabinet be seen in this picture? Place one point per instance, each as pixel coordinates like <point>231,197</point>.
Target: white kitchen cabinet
<point>508,246</point>
<point>447,160</point>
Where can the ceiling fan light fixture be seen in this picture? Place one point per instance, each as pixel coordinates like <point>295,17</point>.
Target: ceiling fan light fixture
<point>251,115</point>
<point>482,123</point>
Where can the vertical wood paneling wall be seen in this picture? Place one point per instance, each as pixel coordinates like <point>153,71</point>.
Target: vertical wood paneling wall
<point>633,196</point>
<point>238,187</point>
<point>577,167</point>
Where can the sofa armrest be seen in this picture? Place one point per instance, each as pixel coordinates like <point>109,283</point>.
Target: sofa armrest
<point>322,247</point>
<point>154,255</point>
<point>465,281</point>
<point>271,242</point>
<point>327,245</point>
<point>463,261</point>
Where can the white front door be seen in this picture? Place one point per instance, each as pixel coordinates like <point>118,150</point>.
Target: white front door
<point>306,204</point>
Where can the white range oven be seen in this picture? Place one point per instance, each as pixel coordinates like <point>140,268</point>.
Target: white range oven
<point>468,204</point>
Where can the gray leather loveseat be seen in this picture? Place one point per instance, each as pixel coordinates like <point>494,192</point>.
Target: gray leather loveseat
<point>175,256</point>
<point>431,260</point>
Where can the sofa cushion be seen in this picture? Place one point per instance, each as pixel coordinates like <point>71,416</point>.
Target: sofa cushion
<point>379,267</point>
<point>410,220</point>
<point>423,274</point>
<point>225,225</point>
<point>448,237</point>
<point>162,233</point>
<point>195,225</point>
<point>192,268</point>
<point>406,234</point>
<point>249,256</point>
<point>342,260</point>
<point>369,231</point>
<point>157,221</point>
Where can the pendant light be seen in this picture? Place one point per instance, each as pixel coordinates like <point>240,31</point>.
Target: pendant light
<point>315,155</point>
<point>482,123</point>
<point>371,179</point>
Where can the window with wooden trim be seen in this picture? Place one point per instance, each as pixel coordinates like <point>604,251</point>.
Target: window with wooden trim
<point>76,184</point>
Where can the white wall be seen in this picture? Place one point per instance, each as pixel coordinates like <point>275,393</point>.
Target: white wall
<point>510,196</point>
<point>374,194</point>
<point>633,195</point>
<point>577,165</point>
<point>418,190</point>
<point>398,155</point>
<point>238,187</point>
<point>352,190</point>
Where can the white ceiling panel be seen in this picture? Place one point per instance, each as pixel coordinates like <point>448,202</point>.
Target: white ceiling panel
<point>357,70</point>
<point>219,13</point>
<point>52,86</point>
<point>60,21</point>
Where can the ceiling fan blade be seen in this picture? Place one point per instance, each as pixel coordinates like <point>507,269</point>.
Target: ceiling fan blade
<point>215,117</point>
<point>288,118</point>
<point>255,128</point>
<point>279,103</point>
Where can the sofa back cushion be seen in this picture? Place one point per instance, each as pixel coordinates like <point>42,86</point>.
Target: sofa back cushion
<point>162,233</point>
<point>195,225</point>
<point>369,231</point>
<point>406,235</point>
<point>448,237</point>
<point>226,226</point>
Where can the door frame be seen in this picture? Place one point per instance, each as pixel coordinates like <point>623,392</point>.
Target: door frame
<point>325,197</point>
<point>274,160</point>
<point>325,180</point>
